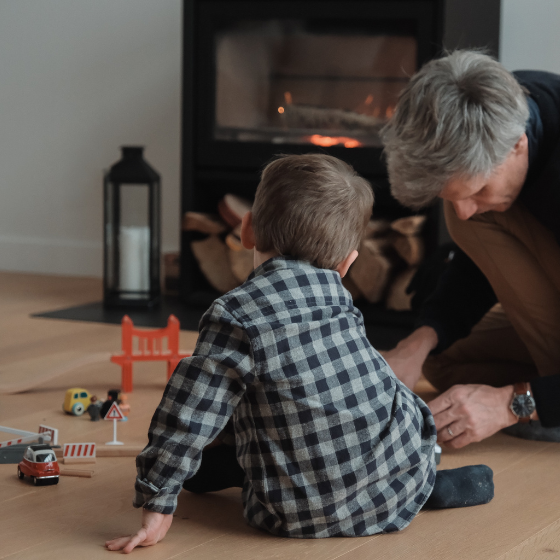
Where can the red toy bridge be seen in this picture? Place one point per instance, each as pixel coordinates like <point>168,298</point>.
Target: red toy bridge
<point>148,346</point>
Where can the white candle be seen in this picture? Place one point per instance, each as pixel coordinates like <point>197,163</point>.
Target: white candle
<point>134,260</point>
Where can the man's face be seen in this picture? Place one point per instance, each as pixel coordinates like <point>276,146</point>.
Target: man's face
<point>479,194</point>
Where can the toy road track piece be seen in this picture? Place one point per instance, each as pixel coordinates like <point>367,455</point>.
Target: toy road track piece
<point>232,209</point>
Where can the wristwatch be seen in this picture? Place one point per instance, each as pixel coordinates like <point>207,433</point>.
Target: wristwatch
<point>522,403</point>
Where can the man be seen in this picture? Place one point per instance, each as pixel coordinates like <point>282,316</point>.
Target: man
<point>486,142</point>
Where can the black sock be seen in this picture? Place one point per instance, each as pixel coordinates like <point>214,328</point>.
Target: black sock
<point>218,470</point>
<point>463,487</point>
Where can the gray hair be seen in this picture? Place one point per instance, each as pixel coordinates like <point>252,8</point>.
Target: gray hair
<point>460,115</point>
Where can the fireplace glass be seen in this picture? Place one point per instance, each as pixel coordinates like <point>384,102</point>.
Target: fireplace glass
<point>289,82</point>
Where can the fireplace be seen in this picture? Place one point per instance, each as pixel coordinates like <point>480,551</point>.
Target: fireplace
<point>263,77</point>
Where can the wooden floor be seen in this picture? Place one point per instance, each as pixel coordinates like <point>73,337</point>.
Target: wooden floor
<point>73,519</point>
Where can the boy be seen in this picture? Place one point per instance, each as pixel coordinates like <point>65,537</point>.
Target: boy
<point>327,441</point>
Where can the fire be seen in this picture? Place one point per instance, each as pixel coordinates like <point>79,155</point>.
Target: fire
<point>327,141</point>
<point>389,112</point>
<point>281,110</point>
<point>288,97</point>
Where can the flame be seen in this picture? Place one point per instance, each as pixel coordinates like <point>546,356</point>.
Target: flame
<point>389,112</point>
<point>369,99</point>
<point>281,110</point>
<point>288,97</point>
<point>327,141</point>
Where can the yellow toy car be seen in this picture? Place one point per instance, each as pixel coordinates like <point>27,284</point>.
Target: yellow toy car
<point>76,401</point>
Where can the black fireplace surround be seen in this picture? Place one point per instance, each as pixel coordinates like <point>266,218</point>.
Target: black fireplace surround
<point>229,133</point>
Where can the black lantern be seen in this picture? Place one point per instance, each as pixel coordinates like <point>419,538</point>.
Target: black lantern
<point>132,232</point>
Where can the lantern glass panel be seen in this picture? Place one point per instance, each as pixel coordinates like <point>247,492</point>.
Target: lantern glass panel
<point>134,241</point>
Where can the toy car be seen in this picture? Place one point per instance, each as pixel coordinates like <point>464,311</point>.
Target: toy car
<point>76,401</point>
<point>39,462</point>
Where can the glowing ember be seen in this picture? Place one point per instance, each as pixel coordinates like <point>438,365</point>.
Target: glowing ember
<point>288,97</point>
<point>327,141</point>
<point>281,110</point>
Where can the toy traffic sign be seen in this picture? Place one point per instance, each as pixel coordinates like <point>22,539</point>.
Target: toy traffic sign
<point>115,414</point>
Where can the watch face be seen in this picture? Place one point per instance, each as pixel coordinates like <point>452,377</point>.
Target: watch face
<point>523,405</point>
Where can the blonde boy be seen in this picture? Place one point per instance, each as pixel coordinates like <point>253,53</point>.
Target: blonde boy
<point>327,441</point>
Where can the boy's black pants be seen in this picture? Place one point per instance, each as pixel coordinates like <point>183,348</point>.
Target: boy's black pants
<point>466,486</point>
<point>218,470</point>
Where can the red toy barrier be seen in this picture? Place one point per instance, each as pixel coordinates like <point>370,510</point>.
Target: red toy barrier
<point>149,348</point>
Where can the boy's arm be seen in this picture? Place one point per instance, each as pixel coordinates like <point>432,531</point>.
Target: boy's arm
<point>198,400</point>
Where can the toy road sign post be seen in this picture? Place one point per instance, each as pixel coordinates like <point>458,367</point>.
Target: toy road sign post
<point>115,414</point>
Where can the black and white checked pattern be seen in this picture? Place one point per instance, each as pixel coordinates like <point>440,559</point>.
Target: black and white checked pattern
<point>331,442</point>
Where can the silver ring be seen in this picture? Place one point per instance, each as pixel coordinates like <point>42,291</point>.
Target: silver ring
<point>450,432</point>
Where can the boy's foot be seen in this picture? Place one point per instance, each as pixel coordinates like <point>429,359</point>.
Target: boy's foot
<point>533,430</point>
<point>463,487</point>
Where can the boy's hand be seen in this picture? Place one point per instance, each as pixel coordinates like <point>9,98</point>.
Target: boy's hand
<point>154,528</point>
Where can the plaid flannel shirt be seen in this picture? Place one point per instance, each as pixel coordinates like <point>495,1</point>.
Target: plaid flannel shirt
<point>332,444</point>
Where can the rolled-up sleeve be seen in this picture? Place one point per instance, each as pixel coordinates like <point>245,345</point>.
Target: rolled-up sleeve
<point>198,400</point>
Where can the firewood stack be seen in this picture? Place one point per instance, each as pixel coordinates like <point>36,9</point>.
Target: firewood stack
<point>389,254</point>
<point>222,258</point>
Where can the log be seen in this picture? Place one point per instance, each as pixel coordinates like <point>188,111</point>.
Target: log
<point>240,259</point>
<point>370,272</point>
<point>311,116</point>
<point>411,225</point>
<point>397,298</point>
<point>204,223</point>
<point>212,256</point>
<point>232,209</point>
<point>410,248</point>
<point>376,228</point>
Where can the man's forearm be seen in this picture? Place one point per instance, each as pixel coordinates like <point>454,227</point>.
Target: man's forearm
<point>407,358</point>
<point>420,343</point>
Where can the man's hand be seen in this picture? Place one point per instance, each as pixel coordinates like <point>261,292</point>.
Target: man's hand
<point>407,358</point>
<point>469,413</point>
<point>154,528</point>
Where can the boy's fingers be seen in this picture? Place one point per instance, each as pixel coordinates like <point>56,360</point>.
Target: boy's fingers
<point>137,539</point>
<point>117,543</point>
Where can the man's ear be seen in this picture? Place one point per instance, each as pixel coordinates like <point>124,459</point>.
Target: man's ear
<point>247,234</point>
<point>522,144</point>
<point>343,267</point>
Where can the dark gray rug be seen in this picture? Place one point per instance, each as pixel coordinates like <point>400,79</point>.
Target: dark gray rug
<point>384,328</point>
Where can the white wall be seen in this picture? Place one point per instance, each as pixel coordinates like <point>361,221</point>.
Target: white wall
<point>529,35</point>
<point>78,79</point>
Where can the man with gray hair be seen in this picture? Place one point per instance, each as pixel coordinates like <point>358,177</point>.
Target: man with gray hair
<point>487,142</point>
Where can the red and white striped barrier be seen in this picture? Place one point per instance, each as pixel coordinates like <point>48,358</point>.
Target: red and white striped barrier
<point>52,432</point>
<point>79,452</point>
<point>28,437</point>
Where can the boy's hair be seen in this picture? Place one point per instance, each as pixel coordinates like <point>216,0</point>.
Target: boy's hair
<point>311,207</point>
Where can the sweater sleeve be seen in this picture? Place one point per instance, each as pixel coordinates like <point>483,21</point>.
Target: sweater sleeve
<point>462,297</point>
<point>546,391</point>
<point>198,401</point>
